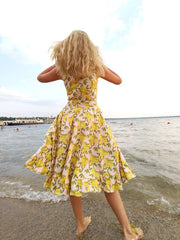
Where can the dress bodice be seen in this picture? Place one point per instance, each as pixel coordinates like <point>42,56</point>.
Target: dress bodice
<point>81,90</point>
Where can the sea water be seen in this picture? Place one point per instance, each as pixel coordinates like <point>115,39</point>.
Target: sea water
<point>151,147</point>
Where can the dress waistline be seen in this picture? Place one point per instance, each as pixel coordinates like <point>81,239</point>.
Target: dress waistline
<point>80,103</point>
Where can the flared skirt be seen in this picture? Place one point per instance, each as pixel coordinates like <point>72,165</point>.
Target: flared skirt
<point>80,154</point>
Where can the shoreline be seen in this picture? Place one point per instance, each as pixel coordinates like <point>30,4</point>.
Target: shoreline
<point>29,220</point>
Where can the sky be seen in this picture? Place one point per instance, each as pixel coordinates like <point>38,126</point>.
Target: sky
<point>137,39</point>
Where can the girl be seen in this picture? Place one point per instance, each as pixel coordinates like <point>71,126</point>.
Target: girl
<point>80,153</point>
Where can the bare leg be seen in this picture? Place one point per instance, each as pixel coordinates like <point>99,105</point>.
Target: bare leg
<point>114,200</point>
<point>82,222</point>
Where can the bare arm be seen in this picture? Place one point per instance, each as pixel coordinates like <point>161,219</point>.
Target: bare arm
<point>111,76</point>
<point>49,75</point>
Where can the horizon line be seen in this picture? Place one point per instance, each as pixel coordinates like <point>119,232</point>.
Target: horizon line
<point>167,116</point>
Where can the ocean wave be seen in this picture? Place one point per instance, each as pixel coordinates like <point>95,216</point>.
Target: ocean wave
<point>159,191</point>
<point>163,204</point>
<point>161,184</point>
<point>18,190</point>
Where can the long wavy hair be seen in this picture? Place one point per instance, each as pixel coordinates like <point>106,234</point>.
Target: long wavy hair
<point>77,56</point>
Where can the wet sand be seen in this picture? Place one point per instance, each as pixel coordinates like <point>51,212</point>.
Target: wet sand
<point>22,220</point>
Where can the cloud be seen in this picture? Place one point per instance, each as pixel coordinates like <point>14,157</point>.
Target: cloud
<point>30,27</point>
<point>15,103</point>
<point>148,65</point>
<point>12,95</point>
<point>146,55</point>
<point>8,95</point>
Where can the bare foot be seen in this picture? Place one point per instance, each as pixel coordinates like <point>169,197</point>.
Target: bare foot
<point>137,233</point>
<point>82,227</point>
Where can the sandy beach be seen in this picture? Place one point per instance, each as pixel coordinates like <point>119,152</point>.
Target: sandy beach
<point>22,220</point>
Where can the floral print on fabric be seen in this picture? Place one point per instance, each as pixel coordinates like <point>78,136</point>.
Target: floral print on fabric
<point>80,153</point>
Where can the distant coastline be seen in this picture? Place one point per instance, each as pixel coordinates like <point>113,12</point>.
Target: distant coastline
<point>10,121</point>
<point>48,120</point>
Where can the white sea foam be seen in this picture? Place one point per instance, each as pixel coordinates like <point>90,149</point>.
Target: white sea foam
<point>18,190</point>
<point>164,205</point>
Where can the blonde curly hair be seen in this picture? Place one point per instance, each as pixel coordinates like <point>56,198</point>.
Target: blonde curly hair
<point>77,56</point>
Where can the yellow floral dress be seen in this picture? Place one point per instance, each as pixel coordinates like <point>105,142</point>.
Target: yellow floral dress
<point>80,153</point>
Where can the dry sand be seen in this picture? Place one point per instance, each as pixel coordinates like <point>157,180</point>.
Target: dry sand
<point>22,220</point>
